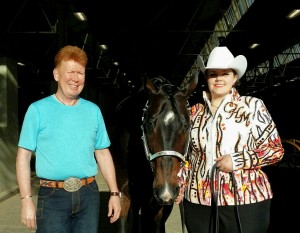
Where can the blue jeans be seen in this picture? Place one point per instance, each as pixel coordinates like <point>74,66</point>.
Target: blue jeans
<point>59,211</point>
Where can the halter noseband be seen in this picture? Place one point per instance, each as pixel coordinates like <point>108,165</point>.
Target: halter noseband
<point>151,157</point>
<point>166,152</point>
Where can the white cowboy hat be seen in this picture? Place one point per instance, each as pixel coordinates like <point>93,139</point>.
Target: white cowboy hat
<point>222,58</point>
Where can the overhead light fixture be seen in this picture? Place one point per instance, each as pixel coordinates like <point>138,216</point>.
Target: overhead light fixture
<point>254,45</point>
<point>116,63</point>
<point>103,47</point>
<point>81,16</point>
<point>294,13</point>
<point>21,64</point>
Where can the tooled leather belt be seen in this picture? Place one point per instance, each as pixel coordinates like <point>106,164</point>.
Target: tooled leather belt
<point>71,184</point>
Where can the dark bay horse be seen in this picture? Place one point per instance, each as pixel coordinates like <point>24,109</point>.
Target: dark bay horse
<point>149,143</point>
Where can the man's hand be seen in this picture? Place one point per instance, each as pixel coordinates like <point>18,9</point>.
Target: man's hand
<point>28,215</point>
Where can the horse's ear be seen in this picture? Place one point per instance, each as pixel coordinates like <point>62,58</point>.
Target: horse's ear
<point>189,84</point>
<point>150,86</point>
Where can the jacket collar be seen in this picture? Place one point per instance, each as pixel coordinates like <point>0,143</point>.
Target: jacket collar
<point>232,96</point>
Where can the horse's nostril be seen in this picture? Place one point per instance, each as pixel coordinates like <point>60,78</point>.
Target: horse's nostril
<point>155,192</point>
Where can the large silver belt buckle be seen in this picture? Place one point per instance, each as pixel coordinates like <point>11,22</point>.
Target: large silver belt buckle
<point>72,184</point>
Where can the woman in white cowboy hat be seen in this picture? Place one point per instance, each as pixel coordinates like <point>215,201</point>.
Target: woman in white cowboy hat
<point>232,137</point>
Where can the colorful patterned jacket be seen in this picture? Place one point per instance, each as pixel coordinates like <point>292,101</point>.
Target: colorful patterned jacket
<point>243,128</point>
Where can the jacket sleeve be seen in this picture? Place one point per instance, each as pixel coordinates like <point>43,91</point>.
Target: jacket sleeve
<point>264,144</point>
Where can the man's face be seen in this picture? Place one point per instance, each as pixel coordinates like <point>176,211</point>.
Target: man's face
<point>70,76</point>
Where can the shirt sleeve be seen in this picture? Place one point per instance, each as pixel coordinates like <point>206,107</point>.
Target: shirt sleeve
<point>30,128</point>
<point>102,138</point>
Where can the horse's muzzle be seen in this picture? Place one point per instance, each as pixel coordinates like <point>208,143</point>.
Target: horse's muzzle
<point>165,195</point>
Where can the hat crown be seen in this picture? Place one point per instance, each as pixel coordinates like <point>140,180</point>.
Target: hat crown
<point>220,57</point>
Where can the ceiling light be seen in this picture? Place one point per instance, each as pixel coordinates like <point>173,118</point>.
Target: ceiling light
<point>294,13</point>
<point>254,45</point>
<point>81,16</point>
<point>103,47</point>
<point>21,64</point>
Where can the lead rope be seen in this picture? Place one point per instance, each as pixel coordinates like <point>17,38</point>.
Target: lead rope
<point>235,202</point>
<point>215,195</point>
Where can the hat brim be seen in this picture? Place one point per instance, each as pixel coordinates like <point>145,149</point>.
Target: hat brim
<point>239,64</point>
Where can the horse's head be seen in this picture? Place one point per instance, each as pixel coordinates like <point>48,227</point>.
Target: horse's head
<point>166,126</point>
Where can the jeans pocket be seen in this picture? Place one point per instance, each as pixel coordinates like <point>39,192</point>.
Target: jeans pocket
<point>45,192</point>
<point>93,186</point>
<point>39,209</point>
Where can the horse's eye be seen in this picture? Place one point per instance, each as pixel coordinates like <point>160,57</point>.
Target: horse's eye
<point>187,127</point>
<point>186,124</point>
<point>149,125</point>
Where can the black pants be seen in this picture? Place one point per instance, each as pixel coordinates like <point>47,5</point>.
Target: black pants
<point>251,218</point>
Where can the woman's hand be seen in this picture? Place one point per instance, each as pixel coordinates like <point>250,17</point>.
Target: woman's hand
<point>224,163</point>
<point>180,196</point>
